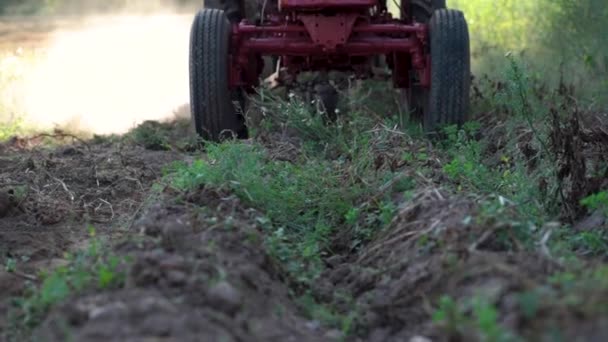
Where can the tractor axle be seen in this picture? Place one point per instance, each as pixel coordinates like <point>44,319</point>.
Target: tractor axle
<point>345,41</point>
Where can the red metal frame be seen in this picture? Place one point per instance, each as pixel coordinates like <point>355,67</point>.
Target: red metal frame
<point>330,35</point>
<point>299,5</point>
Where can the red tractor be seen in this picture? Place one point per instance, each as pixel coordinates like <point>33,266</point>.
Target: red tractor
<point>425,45</point>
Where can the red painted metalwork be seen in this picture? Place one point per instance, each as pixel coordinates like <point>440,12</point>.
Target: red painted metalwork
<point>359,47</point>
<point>328,32</point>
<point>328,35</point>
<point>287,5</point>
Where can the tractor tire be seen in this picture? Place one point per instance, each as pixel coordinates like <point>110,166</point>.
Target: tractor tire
<point>212,4</point>
<point>237,10</point>
<point>448,102</point>
<point>217,111</point>
<point>420,11</point>
<point>234,10</point>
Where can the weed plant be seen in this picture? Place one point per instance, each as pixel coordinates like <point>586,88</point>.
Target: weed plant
<point>94,268</point>
<point>308,201</point>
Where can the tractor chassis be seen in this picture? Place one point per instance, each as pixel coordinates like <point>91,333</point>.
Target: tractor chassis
<point>319,42</point>
<point>426,49</point>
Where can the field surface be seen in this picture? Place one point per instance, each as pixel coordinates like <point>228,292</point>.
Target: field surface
<point>357,230</point>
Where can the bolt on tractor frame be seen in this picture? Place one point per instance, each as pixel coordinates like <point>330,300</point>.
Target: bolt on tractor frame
<point>425,45</point>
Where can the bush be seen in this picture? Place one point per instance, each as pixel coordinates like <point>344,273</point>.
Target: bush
<point>550,34</point>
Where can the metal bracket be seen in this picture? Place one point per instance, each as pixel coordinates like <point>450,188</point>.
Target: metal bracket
<point>329,31</point>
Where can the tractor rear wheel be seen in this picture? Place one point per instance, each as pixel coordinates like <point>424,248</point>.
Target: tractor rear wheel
<point>417,96</point>
<point>422,10</point>
<point>237,10</point>
<point>217,110</point>
<point>448,101</point>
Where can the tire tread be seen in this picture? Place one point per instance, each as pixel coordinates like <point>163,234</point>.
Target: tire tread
<point>450,70</point>
<point>213,114</point>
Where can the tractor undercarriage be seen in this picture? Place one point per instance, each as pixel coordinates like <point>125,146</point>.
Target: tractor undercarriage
<point>345,42</point>
<point>427,54</point>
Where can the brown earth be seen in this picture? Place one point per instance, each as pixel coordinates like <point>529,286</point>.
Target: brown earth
<point>432,250</point>
<point>199,265</point>
<point>206,276</point>
<point>195,273</point>
<point>54,193</point>
<point>200,269</point>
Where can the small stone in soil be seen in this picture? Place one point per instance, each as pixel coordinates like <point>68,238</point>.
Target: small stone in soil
<point>176,278</point>
<point>225,297</point>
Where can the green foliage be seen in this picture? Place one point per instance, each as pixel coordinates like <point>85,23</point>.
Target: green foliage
<point>598,201</point>
<point>151,135</point>
<point>10,129</point>
<point>594,243</point>
<point>578,38</point>
<point>449,315</point>
<point>469,171</point>
<point>160,136</point>
<point>10,265</point>
<point>578,293</point>
<point>291,195</point>
<point>304,202</point>
<point>92,268</point>
<point>529,303</point>
<point>466,167</point>
<point>322,190</point>
<point>14,66</point>
<point>54,288</point>
<point>328,316</point>
<point>514,227</point>
<point>11,77</point>
<point>503,25</point>
<point>570,244</point>
<point>486,318</point>
<point>333,186</point>
<point>308,200</point>
<point>520,191</point>
<point>557,37</point>
<point>482,321</point>
<point>319,137</point>
<point>529,180</point>
<point>582,290</point>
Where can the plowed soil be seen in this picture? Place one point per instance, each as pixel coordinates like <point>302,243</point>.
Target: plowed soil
<point>191,277</point>
<point>51,194</point>
<point>199,268</point>
<point>204,280</point>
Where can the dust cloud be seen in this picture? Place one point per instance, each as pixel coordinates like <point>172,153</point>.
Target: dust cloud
<point>111,74</point>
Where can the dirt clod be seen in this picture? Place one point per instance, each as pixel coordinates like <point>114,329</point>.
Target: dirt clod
<point>5,204</point>
<point>54,194</point>
<point>225,297</point>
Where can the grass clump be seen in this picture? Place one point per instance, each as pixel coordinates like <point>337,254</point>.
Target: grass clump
<point>335,194</point>
<point>305,202</point>
<point>475,318</point>
<point>334,185</point>
<point>597,201</point>
<point>93,268</point>
<point>163,136</point>
<point>523,153</point>
<point>14,67</point>
<point>328,316</point>
<point>522,167</point>
<point>11,129</point>
<point>545,311</point>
